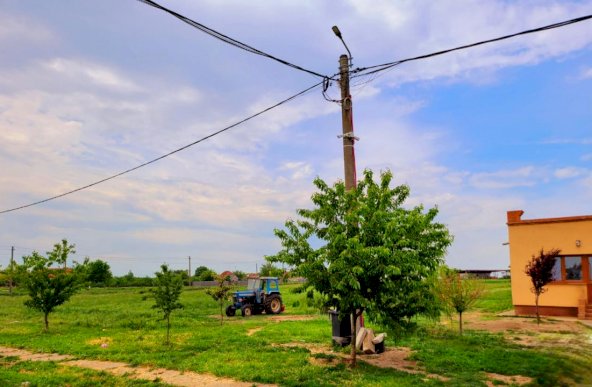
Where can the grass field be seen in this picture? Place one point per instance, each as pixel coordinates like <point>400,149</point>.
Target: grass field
<point>120,325</point>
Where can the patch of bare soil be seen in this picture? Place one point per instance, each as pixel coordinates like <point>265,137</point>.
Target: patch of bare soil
<point>173,377</point>
<point>396,358</point>
<point>26,355</point>
<point>287,317</point>
<point>516,324</point>
<point>252,331</point>
<point>512,380</point>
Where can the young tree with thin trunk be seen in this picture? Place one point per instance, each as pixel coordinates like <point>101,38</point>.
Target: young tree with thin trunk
<point>375,255</point>
<point>457,294</point>
<point>221,294</point>
<point>540,271</point>
<point>48,283</point>
<point>168,287</point>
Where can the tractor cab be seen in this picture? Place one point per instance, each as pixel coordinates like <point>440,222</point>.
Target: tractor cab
<point>262,294</point>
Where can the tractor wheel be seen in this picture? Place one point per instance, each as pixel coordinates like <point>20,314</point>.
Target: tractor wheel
<point>247,310</point>
<point>230,311</point>
<point>273,304</point>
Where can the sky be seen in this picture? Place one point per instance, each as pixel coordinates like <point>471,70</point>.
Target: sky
<point>92,88</point>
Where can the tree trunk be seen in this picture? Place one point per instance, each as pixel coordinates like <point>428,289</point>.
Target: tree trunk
<point>46,322</point>
<point>460,327</point>
<point>353,319</point>
<point>168,328</point>
<point>536,302</point>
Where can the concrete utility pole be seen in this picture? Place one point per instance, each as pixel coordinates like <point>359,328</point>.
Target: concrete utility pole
<point>347,120</point>
<point>349,158</point>
<point>189,270</point>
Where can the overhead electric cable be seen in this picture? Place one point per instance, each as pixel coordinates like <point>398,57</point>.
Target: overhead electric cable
<point>385,66</point>
<point>227,39</point>
<point>170,153</point>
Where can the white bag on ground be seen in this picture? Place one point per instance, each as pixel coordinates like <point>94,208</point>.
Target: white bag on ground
<point>368,346</point>
<point>360,337</point>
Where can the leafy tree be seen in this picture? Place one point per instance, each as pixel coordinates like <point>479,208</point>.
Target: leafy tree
<point>270,270</point>
<point>168,287</point>
<point>99,273</point>
<point>221,293</point>
<point>457,294</point>
<point>540,271</point>
<point>241,275</point>
<point>203,273</point>
<point>375,255</point>
<point>49,286</point>
<point>10,275</point>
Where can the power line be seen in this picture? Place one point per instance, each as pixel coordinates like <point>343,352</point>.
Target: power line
<point>385,66</point>
<point>227,39</point>
<point>168,154</point>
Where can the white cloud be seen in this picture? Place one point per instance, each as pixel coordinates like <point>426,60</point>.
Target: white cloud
<point>90,72</point>
<point>568,172</point>
<point>586,73</point>
<point>520,177</point>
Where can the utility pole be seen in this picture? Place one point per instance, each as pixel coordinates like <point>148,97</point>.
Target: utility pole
<point>11,271</point>
<point>189,271</point>
<point>349,158</point>
<point>347,120</point>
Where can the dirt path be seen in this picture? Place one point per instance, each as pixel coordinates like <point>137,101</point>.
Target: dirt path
<point>173,377</point>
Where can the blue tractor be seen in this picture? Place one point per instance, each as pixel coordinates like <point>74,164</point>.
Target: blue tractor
<point>262,295</point>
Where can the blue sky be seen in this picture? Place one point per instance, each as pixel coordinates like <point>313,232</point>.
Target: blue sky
<point>88,89</point>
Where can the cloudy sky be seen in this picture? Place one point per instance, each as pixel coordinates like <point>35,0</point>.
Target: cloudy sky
<point>91,88</point>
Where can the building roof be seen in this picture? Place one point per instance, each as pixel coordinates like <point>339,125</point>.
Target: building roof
<point>514,219</point>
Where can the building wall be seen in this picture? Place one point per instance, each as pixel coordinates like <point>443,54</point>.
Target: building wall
<point>526,238</point>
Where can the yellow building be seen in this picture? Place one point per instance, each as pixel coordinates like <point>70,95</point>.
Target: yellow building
<point>570,294</point>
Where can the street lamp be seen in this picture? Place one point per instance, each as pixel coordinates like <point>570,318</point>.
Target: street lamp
<point>338,34</point>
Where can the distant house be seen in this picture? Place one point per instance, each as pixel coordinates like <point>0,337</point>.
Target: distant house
<point>570,294</point>
<point>229,274</point>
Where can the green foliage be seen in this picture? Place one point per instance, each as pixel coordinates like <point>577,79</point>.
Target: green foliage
<point>168,287</point>
<point>540,271</point>
<point>376,255</point>
<point>10,276</point>
<point>268,269</point>
<point>221,294</point>
<point>241,275</point>
<point>457,294</point>
<point>129,280</point>
<point>49,286</point>
<point>99,273</point>
<point>203,273</point>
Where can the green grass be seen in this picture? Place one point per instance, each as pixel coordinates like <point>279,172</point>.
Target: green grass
<point>124,319</point>
<point>42,374</point>
<point>497,297</point>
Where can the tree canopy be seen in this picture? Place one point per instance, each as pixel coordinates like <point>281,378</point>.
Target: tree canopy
<point>540,271</point>
<point>48,283</point>
<point>456,293</point>
<point>166,293</point>
<point>374,255</point>
<point>98,273</point>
